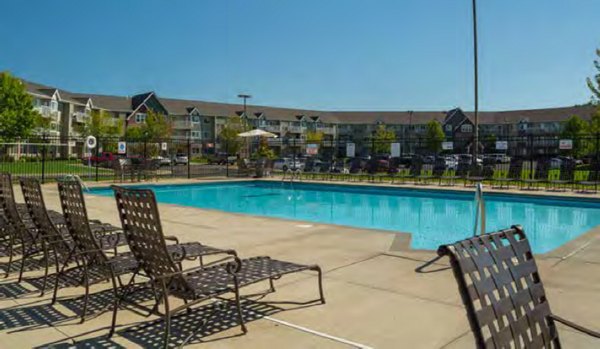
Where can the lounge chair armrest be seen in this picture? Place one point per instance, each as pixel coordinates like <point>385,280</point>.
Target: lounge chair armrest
<point>575,326</point>
<point>172,238</point>
<point>234,266</point>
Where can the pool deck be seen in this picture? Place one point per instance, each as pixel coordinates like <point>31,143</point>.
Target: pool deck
<point>375,298</point>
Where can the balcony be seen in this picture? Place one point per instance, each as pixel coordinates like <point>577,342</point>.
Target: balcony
<point>295,129</point>
<point>273,128</point>
<point>80,116</point>
<point>183,124</point>
<point>326,130</point>
<point>47,112</point>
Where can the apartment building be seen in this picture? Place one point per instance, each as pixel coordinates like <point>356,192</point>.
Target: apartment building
<point>200,122</point>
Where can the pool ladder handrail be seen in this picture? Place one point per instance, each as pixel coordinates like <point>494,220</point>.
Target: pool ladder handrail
<point>479,209</point>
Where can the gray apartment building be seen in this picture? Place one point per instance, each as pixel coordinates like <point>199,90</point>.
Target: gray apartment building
<point>200,122</point>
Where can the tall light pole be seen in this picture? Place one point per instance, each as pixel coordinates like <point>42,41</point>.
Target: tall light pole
<point>476,78</point>
<point>244,97</point>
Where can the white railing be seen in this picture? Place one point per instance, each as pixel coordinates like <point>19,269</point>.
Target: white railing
<point>326,130</point>
<point>273,128</point>
<point>47,112</point>
<point>182,124</point>
<point>79,116</point>
<point>294,129</point>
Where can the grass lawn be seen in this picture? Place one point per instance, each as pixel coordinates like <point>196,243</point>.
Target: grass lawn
<point>52,168</point>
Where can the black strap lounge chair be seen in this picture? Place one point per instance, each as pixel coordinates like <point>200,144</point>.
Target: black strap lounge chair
<point>99,264</point>
<point>22,235</point>
<point>58,242</point>
<point>475,174</point>
<point>503,294</point>
<point>141,222</point>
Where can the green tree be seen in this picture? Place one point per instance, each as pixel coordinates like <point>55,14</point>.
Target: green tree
<point>383,139</point>
<point>100,124</point>
<point>156,127</point>
<point>17,116</point>
<point>434,136</point>
<point>264,151</point>
<point>229,134</point>
<point>575,128</point>
<point>594,82</point>
<point>315,137</point>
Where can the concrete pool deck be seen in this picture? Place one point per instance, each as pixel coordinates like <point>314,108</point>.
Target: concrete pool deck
<point>374,296</point>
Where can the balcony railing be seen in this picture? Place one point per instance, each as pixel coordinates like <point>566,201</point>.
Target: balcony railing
<point>47,112</point>
<point>80,116</point>
<point>295,129</point>
<point>273,128</point>
<point>326,130</point>
<point>183,124</point>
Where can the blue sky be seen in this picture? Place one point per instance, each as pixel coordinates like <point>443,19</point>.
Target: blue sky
<point>323,54</point>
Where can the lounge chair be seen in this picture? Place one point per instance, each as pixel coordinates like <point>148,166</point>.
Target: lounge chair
<point>565,176</point>
<point>588,182</point>
<point>99,265</point>
<point>141,222</point>
<point>515,169</point>
<point>502,292</point>
<point>540,176</point>
<point>57,242</point>
<point>476,174</point>
<point>22,236</point>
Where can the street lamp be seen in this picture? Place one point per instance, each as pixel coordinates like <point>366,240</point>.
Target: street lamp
<point>244,97</point>
<point>476,80</point>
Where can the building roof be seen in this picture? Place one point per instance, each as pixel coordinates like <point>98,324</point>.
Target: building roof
<point>184,107</point>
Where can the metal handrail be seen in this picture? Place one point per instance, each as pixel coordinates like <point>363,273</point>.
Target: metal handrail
<point>479,209</point>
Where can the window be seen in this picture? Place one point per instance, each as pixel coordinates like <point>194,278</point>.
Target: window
<point>196,134</point>
<point>140,118</point>
<point>195,119</point>
<point>53,105</point>
<point>449,128</point>
<point>206,135</point>
<point>466,128</point>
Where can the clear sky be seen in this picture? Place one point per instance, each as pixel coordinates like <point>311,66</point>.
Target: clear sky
<point>323,54</point>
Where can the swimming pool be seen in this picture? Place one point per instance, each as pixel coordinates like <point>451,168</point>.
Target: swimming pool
<point>432,217</point>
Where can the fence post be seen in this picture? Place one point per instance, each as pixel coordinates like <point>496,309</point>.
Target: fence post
<point>597,162</point>
<point>189,154</point>
<point>226,158</point>
<point>44,150</point>
<point>97,155</point>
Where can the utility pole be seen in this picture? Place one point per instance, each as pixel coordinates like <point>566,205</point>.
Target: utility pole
<point>476,78</point>
<point>245,116</point>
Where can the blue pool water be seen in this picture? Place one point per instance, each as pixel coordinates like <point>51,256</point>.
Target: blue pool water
<point>432,217</point>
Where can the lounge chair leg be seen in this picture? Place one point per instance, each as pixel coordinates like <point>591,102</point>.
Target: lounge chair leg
<point>22,269</point>
<point>10,258</point>
<point>321,295</point>
<point>272,285</point>
<point>85,299</point>
<point>115,307</point>
<point>46,257</point>
<point>239,308</point>
<point>167,321</point>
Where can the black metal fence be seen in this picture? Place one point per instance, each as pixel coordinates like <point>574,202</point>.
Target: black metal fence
<point>555,158</point>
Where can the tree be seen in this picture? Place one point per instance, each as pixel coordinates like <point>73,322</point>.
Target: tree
<point>594,82</point>
<point>229,134</point>
<point>264,151</point>
<point>382,139</point>
<point>434,136</point>
<point>100,124</point>
<point>156,127</point>
<point>17,116</point>
<point>315,137</point>
<point>575,128</point>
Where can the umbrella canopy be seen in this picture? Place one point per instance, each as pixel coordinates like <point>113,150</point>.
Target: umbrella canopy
<point>257,133</point>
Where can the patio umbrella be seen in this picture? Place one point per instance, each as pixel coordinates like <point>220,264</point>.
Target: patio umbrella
<point>257,133</point>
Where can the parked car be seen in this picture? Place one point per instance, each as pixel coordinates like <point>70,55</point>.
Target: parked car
<point>104,159</point>
<point>450,163</point>
<point>285,164</point>
<point>222,159</point>
<point>496,158</point>
<point>180,159</point>
<point>162,160</point>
